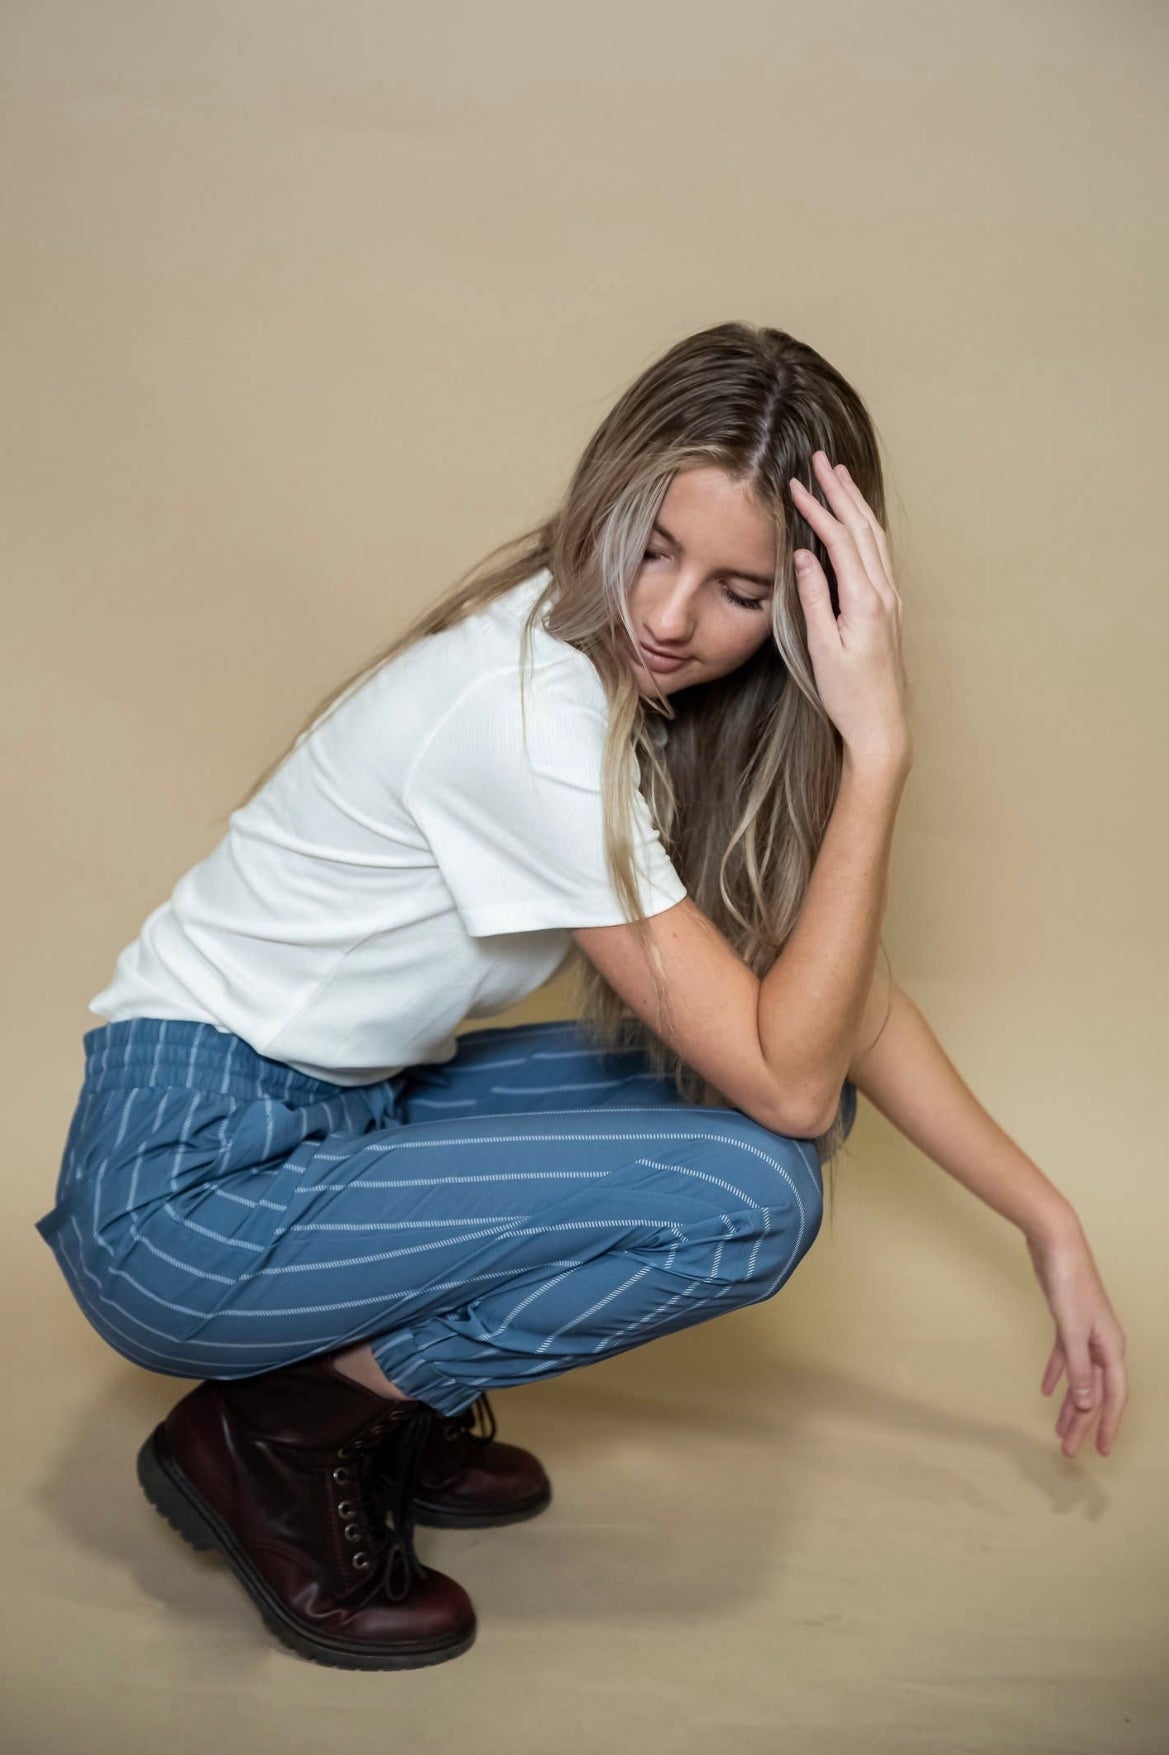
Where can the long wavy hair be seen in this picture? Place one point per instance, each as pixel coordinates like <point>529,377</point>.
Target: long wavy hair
<point>740,773</point>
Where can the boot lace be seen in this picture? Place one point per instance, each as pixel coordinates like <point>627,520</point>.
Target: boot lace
<point>388,1499</point>
<point>481,1413</point>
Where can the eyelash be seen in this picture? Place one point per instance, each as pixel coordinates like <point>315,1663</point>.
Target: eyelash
<point>755,603</point>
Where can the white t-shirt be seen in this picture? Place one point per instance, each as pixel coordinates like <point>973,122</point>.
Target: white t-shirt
<point>409,865</point>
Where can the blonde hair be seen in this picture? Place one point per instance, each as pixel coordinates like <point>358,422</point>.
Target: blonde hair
<point>743,783</point>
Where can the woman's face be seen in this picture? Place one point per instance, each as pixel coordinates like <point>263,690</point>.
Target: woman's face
<point>703,591</point>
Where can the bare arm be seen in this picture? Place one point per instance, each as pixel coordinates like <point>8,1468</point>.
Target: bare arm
<point>721,1008</point>
<point>780,1048</point>
<point>714,1002</point>
<point>915,1085</point>
<point>813,1001</point>
<point>907,1074</point>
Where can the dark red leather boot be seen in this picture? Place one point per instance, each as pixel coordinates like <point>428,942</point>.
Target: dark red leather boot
<point>276,1471</point>
<point>470,1479</point>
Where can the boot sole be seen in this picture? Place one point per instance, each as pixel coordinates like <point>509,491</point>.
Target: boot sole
<point>438,1516</point>
<point>176,1500</point>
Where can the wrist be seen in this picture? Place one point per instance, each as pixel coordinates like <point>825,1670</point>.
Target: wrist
<point>888,767</point>
<point>1056,1222</point>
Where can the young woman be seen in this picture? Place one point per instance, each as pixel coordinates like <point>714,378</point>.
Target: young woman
<point>665,739</point>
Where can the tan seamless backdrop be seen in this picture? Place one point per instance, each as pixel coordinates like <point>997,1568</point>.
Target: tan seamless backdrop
<point>308,305</point>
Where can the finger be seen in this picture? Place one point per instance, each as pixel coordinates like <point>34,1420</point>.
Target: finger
<point>855,521</point>
<point>815,598</point>
<point>1089,1418</point>
<point>1098,1396</point>
<point>870,517</point>
<point>1115,1397</point>
<point>859,527</point>
<point>1069,1413</point>
<point>1081,1381</point>
<point>1053,1369</point>
<point>1081,1420</point>
<point>852,577</point>
<point>866,510</point>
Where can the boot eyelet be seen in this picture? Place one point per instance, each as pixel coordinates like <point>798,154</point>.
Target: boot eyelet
<point>342,1474</point>
<point>343,1450</point>
<point>352,1532</point>
<point>344,1508</point>
<point>361,1561</point>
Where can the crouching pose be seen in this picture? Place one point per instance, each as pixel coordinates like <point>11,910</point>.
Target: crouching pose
<point>663,738</point>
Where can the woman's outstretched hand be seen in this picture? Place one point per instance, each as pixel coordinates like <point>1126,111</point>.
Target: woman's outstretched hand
<point>1089,1341</point>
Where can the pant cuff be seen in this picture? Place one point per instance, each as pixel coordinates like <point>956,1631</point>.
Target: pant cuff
<point>414,1375</point>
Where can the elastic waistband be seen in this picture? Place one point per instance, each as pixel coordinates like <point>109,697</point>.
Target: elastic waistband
<point>137,1052</point>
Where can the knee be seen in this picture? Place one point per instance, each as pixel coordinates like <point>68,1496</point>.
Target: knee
<point>783,1181</point>
<point>786,1236</point>
<point>772,1171</point>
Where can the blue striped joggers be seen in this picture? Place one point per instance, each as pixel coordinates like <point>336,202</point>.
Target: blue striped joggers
<point>531,1205</point>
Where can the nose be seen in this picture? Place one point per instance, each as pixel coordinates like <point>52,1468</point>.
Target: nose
<point>672,624</point>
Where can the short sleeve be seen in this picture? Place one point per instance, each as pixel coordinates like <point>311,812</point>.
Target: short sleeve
<point>517,828</point>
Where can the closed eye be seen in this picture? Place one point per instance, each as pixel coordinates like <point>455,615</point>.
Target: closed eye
<point>755,603</point>
<point>743,602</point>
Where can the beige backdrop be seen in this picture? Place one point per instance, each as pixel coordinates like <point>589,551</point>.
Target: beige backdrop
<point>310,303</point>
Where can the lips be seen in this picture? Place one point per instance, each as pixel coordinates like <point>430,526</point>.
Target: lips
<point>661,661</point>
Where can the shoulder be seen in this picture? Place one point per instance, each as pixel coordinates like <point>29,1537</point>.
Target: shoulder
<point>552,721</point>
<point>552,684</point>
<point>552,670</point>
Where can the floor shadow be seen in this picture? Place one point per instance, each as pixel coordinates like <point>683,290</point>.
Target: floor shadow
<point>664,1503</point>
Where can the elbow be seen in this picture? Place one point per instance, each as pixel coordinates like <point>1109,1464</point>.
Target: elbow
<point>822,1123</point>
<point>812,1127</point>
<point>808,1120</point>
<point>797,1122</point>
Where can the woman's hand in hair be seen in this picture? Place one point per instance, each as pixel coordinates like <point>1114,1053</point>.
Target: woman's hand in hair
<point>856,655</point>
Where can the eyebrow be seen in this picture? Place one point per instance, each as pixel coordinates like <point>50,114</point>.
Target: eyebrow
<point>735,572</point>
